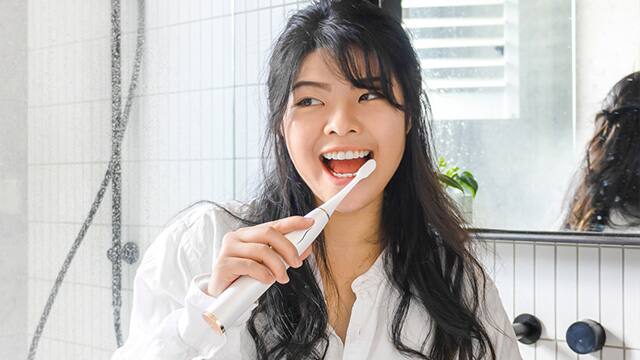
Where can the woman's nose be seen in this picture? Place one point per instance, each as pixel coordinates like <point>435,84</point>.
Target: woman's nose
<point>342,121</point>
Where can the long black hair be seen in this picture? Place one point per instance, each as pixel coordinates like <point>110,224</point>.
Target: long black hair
<point>429,260</point>
<point>609,178</point>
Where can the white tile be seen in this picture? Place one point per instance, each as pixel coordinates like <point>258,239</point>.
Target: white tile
<point>195,127</point>
<point>253,122</point>
<point>207,119</point>
<point>241,179</point>
<point>545,349</point>
<point>632,354</point>
<point>632,297</point>
<point>545,290</point>
<point>611,308</point>
<point>528,352</point>
<point>566,285</point>
<point>252,38</point>
<point>206,54</point>
<point>195,177</point>
<point>254,176</point>
<point>240,119</point>
<point>265,41</point>
<point>225,52</point>
<point>195,66</point>
<point>564,352</point>
<point>174,126</point>
<point>228,180</point>
<point>504,278</point>
<point>240,49</point>
<point>184,182</point>
<point>588,286</point>
<point>524,279</point>
<point>227,127</point>
<point>609,353</point>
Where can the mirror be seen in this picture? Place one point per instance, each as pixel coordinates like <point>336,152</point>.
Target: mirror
<point>515,87</point>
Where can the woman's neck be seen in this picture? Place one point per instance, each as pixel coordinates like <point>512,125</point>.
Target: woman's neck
<point>352,241</point>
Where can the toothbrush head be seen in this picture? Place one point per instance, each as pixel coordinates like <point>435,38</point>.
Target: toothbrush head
<point>364,171</point>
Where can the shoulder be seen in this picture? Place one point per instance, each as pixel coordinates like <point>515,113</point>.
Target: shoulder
<point>193,235</point>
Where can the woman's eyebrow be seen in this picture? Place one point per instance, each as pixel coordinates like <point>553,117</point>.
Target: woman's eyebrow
<point>327,87</point>
<point>321,85</point>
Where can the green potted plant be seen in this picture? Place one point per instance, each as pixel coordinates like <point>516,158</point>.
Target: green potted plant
<point>461,186</point>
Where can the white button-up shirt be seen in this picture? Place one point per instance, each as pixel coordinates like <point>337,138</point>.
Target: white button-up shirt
<point>169,299</point>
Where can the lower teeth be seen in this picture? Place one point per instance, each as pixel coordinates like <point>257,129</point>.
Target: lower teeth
<point>342,175</point>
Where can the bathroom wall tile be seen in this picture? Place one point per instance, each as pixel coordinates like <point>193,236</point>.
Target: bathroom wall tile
<point>174,126</point>
<point>216,118</point>
<point>265,40</point>
<point>566,285</point>
<point>528,352</point>
<point>504,277</point>
<point>545,349</point>
<point>184,123</point>
<point>564,352</point>
<point>278,21</point>
<point>253,121</point>
<point>227,123</point>
<point>632,354</point>
<point>195,57</point>
<point>195,125</point>
<point>631,297</point>
<point>524,279</point>
<point>254,176</point>
<point>241,179</point>
<point>545,290</point>
<point>611,290</point>
<point>609,353</point>
<point>251,47</point>
<point>195,181</point>
<point>588,285</point>
<point>240,49</point>
<point>207,52</point>
<point>240,121</point>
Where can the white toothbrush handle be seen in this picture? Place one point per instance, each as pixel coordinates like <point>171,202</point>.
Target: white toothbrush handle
<point>245,291</point>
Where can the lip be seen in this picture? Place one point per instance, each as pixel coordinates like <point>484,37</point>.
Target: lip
<point>334,179</point>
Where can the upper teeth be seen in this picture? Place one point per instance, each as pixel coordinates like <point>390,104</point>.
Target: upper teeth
<point>345,155</point>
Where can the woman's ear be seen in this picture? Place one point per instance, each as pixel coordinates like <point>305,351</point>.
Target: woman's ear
<point>408,126</point>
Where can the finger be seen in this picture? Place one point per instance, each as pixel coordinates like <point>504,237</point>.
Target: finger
<point>263,254</point>
<point>306,253</point>
<point>269,236</point>
<point>291,223</point>
<point>241,266</point>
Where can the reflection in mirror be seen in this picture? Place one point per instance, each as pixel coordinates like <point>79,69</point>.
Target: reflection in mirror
<point>514,87</point>
<point>607,196</point>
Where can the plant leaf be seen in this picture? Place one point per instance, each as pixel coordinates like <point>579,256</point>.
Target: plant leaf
<point>448,181</point>
<point>467,180</point>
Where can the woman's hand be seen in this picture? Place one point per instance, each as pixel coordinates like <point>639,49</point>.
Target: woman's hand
<point>258,251</point>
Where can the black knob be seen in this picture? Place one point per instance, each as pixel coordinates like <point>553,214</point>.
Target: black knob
<point>527,328</point>
<point>585,336</point>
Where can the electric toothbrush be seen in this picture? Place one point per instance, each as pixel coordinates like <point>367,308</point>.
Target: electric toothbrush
<point>245,291</point>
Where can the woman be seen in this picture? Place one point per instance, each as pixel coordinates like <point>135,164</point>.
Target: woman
<point>607,197</point>
<point>391,276</point>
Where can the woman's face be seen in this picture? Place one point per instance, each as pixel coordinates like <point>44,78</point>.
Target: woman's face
<point>333,115</point>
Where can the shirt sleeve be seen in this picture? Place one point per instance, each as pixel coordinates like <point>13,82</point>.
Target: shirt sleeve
<point>498,326</point>
<point>168,301</point>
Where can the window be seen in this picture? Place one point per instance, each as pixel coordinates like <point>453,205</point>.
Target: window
<point>468,53</point>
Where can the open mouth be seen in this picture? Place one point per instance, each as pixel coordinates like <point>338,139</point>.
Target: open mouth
<point>346,168</point>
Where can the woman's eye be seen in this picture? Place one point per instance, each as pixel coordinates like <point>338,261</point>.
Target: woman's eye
<point>306,102</point>
<point>376,95</point>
